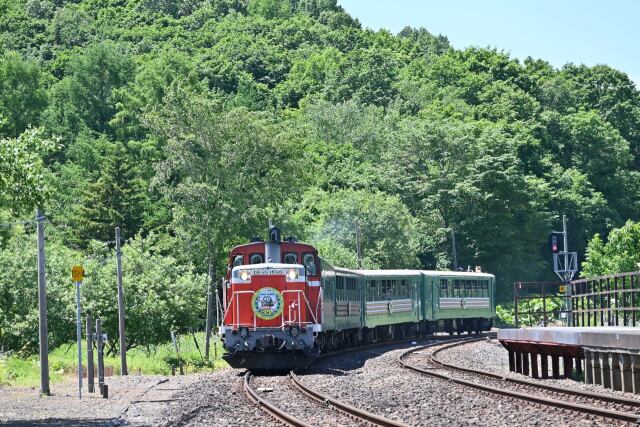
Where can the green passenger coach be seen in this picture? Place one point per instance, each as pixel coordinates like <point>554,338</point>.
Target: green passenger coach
<point>372,305</point>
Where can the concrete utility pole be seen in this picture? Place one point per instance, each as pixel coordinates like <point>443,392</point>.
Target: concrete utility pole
<point>210,297</point>
<point>455,253</point>
<point>42,303</point>
<point>358,251</point>
<point>121,323</point>
<point>90,338</point>
<point>100,344</point>
<point>79,337</point>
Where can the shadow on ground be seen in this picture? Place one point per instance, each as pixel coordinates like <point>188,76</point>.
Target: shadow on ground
<point>62,422</point>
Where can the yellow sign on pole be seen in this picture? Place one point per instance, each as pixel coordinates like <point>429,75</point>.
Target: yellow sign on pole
<point>77,273</point>
<point>563,289</point>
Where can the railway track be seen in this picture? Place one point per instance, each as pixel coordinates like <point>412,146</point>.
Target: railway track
<point>350,411</point>
<point>345,411</point>
<point>605,406</point>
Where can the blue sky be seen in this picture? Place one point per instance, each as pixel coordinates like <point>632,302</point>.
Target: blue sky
<point>559,31</point>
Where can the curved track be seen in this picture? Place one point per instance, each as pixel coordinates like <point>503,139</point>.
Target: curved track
<point>347,413</point>
<point>608,407</point>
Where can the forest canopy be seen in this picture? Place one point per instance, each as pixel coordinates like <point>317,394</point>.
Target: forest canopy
<point>191,123</point>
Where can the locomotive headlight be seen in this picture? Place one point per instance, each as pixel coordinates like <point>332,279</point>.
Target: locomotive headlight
<point>244,275</point>
<point>244,332</point>
<point>292,274</point>
<point>294,331</point>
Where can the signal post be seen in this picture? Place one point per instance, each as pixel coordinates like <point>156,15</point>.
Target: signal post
<point>77,275</point>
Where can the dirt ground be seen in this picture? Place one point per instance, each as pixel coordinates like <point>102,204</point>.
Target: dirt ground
<point>134,400</point>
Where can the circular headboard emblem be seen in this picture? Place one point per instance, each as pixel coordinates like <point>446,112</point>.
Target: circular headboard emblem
<point>267,303</point>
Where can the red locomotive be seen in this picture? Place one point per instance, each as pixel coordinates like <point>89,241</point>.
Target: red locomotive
<point>273,304</point>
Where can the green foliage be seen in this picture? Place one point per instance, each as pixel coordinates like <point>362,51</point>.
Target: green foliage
<point>22,95</point>
<point>153,360</point>
<point>621,252</point>
<point>23,183</point>
<point>190,123</point>
<point>223,170</point>
<point>530,313</point>
<point>160,294</point>
<point>388,233</point>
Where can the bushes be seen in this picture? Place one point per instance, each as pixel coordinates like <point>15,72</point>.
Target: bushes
<point>160,295</point>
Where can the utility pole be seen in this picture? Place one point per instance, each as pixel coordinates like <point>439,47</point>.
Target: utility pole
<point>455,254</point>
<point>42,304</point>
<point>77,275</point>
<point>90,338</point>
<point>210,297</point>
<point>358,251</point>
<point>121,324</point>
<point>100,344</point>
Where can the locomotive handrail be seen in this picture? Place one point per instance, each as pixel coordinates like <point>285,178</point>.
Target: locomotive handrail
<point>298,291</point>
<point>237,323</point>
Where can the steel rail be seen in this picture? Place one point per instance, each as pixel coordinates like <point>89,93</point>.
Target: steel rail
<point>289,420</point>
<point>277,413</point>
<point>605,413</point>
<point>557,389</point>
<point>340,406</point>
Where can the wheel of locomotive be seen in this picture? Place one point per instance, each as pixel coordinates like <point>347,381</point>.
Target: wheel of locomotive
<point>469,326</point>
<point>477,324</point>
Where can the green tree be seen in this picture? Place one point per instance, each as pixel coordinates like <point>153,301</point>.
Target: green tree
<point>23,176</point>
<point>22,95</point>
<point>116,198</point>
<point>621,252</point>
<point>85,94</point>
<point>223,170</point>
<point>388,232</point>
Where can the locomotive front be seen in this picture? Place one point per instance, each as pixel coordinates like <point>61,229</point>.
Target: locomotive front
<point>272,305</point>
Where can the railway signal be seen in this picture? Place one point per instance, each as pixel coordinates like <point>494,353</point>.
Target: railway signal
<point>565,264</point>
<point>553,243</point>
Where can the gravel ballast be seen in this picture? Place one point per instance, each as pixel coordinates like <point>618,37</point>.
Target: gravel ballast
<point>370,379</point>
<point>373,380</point>
<point>490,355</point>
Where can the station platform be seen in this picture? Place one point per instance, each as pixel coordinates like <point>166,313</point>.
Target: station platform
<point>609,356</point>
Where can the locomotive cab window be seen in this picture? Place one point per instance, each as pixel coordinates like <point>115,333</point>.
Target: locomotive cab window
<point>256,259</point>
<point>309,262</point>
<point>238,260</point>
<point>290,258</point>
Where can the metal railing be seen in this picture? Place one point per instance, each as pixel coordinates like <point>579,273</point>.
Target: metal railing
<point>547,293</point>
<point>612,300</point>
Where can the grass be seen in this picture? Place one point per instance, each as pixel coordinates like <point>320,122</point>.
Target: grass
<point>63,361</point>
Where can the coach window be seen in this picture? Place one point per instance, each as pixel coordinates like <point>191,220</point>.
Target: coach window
<point>238,260</point>
<point>309,262</point>
<point>351,288</point>
<point>444,288</point>
<point>456,288</point>
<point>373,290</point>
<point>256,259</point>
<point>485,288</point>
<point>290,258</point>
